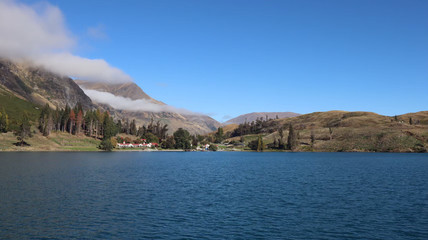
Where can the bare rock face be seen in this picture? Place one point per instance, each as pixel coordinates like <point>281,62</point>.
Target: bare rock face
<point>40,86</point>
<point>128,90</point>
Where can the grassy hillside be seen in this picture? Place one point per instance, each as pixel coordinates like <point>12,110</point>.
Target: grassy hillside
<point>15,107</point>
<point>56,141</point>
<point>351,131</point>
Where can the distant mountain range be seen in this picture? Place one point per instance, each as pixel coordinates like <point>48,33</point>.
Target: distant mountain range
<point>249,117</point>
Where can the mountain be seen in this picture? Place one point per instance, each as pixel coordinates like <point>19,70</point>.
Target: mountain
<point>27,88</point>
<point>128,90</point>
<point>342,131</point>
<point>249,117</point>
<point>39,86</point>
<point>194,123</point>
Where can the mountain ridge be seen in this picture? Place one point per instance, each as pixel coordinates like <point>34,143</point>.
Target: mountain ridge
<point>40,86</point>
<point>249,117</point>
<point>128,90</point>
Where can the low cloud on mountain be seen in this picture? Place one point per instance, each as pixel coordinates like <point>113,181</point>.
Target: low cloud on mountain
<point>38,34</point>
<point>123,103</point>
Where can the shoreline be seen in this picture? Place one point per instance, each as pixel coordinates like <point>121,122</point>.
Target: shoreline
<point>181,150</point>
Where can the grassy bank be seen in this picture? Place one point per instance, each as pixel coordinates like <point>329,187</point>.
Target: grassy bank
<point>56,141</point>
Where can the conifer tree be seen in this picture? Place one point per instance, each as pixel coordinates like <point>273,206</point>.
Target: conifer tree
<point>312,137</point>
<point>23,131</point>
<point>260,146</point>
<point>133,128</point>
<point>79,121</point>
<point>109,131</point>
<point>4,121</point>
<point>292,138</point>
<point>72,121</point>
<point>219,135</point>
<point>65,118</point>
<point>182,139</point>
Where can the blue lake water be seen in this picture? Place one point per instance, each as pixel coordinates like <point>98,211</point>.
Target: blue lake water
<point>222,195</point>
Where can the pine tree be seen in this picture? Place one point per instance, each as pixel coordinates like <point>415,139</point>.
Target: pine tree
<point>4,121</point>
<point>99,122</point>
<point>275,143</point>
<point>292,138</point>
<point>219,135</point>
<point>23,131</point>
<point>45,120</point>
<point>79,121</point>
<point>260,146</point>
<point>65,118</point>
<point>312,137</point>
<point>72,121</point>
<point>109,131</point>
<point>182,139</point>
<point>133,128</point>
<point>281,133</point>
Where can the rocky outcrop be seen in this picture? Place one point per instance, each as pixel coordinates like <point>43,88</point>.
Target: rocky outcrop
<point>40,86</point>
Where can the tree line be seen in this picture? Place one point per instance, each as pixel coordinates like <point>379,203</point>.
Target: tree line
<point>280,144</point>
<point>97,124</point>
<point>258,126</point>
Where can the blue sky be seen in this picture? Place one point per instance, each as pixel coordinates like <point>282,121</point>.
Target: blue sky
<point>226,58</point>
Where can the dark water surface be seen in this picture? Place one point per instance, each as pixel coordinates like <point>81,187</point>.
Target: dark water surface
<point>147,195</point>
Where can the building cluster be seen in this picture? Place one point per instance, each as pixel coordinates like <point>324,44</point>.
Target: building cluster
<point>137,145</point>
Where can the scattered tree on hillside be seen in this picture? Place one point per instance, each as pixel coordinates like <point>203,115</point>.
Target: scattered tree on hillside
<point>79,121</point>
<point>312,137</point>
<point>253,144</point>
<point>4,121</point>
<point>410,121</point>
<point>255,127</point>
<point>219,136</point>
<point>194,141</point>
<point>213,147</point>
<point>292,138</point>
<point>168,143</point>
<point>65,117</point>
<point>109,131</point>
<point>159,130</point>
<point>99,122</point>
<point>23,131</point>
<point>260,146</point>
<point>257,145</point>
<point>281,144</point>
<point>133,128</point>
<point>150,138</point>
<point>46,120</point>
<point>182,139</point>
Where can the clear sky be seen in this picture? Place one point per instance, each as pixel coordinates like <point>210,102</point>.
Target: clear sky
<point>226,58</point>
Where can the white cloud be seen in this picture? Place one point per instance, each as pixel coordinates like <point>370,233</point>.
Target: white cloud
<point>123,103</point>
<point>38,34</point>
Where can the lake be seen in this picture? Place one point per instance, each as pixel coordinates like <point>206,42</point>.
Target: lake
<point>213,195</point>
